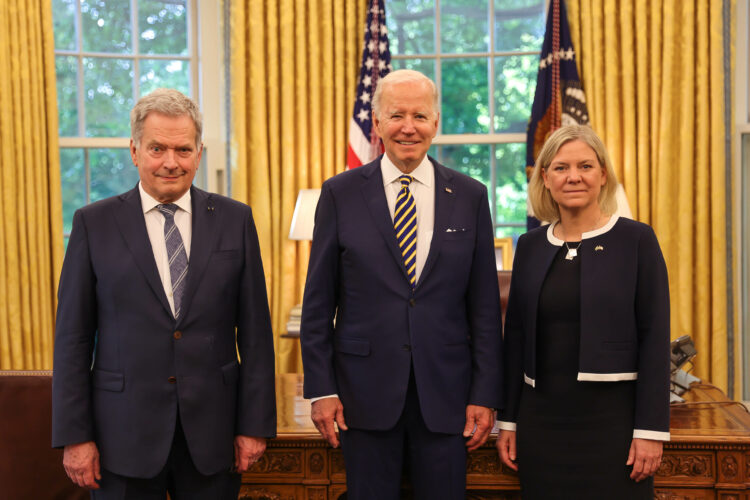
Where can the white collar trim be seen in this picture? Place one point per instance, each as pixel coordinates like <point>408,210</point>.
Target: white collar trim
<point>590,234</point>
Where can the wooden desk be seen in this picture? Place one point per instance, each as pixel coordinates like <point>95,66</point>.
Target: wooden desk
<point>708,457</point>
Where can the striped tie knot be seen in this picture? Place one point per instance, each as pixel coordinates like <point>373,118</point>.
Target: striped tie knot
<point>405,225</point>
<point>168,209</point>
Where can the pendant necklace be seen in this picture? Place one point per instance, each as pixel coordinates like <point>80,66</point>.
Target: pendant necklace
<point>572,252</point>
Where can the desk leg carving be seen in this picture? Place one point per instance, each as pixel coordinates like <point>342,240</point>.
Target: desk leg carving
<point>250,493</point>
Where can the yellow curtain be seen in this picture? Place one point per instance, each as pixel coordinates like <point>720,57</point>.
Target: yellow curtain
<point>294,66</point>
<point>31,208</point>
<point>653,73</point>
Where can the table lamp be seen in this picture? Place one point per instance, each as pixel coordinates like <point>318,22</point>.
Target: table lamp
<point>301,229</point>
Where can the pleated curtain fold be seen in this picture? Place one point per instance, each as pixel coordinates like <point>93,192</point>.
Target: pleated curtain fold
<point>31,244</point>
<point>655,76</point>
<point>293,66</point>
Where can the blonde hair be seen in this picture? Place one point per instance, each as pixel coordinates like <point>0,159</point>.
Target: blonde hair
<point>545,208</point>
<point>403,76</point>
<point>168,102</point>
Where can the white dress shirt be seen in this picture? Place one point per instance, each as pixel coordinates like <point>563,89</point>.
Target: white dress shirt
<point>423,191</point>
<point>155,227</point>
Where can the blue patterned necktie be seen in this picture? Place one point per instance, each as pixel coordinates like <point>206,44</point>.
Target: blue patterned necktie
<point>178,261</point>
<point>405,224</point>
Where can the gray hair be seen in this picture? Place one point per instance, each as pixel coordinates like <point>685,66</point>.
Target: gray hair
<point>545,208</point>
<point>168,102</point>
<point>403,76</point>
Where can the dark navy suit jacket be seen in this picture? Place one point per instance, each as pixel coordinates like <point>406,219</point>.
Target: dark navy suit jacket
<point>448,327</point>
<point>117,346</point>
<point>624,317</point>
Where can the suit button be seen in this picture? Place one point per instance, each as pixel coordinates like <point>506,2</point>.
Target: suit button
<point>412,302</point>
<point>406,347</point>
<point>177,335</point>
<point>172,380</point>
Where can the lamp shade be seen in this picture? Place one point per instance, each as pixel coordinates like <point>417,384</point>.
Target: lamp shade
<point>303,219</point>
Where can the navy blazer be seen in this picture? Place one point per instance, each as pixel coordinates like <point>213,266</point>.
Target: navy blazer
<point>123,365</point>
<point>624,317</point>
<point>448,327</point>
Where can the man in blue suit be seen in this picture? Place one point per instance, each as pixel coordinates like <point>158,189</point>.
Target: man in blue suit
<point>160,290</point>
<point>403,260</point>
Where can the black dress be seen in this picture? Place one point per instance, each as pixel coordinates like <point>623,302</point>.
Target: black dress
<point>573,437</point>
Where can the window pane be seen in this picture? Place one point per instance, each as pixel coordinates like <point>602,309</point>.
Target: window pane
<point>515,82</point>
<point>425,66</point>
<point>73,180</point>
<point>510,232</point>
<point>106,26</point>
<point>163,27</point>
<point>510,181</point>
<point>64,24</point>
<point>112,172</point>
<point>465,108</point>
<point>470,159</point>
<point>66,69</point>
<point>463,26</point>
<point>519,24</point>
<point>411,26</point>
<point>108,96</point>
<point>157,73</point>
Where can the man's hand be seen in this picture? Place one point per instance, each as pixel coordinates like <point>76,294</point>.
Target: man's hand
<point>247,451</point>
<point>506,447</point>
<point>645,457</point>
<point>81,462</point>
<point>323,413</point>
<point>479,422</point>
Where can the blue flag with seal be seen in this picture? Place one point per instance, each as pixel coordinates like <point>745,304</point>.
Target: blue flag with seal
<point>559,98</point>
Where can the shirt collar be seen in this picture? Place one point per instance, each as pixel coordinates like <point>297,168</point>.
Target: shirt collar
<point>148,203</point>
<point>424,173</point>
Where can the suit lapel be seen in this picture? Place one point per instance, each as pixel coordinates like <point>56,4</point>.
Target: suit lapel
<point>445,198</point>
<point>374,195</point>
<point>130,220</point>
<point>204,232</point>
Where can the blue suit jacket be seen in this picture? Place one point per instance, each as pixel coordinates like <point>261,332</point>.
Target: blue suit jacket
<point>448,327</point>
<point>624,317</point>
<point>116,345</point>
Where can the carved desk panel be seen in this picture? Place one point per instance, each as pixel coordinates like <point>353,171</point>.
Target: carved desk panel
<point>707,459</point>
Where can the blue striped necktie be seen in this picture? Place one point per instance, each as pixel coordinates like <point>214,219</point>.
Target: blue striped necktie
<point>178,261</point>
<point>405,224</point>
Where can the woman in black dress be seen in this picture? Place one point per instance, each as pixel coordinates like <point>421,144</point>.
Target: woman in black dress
<point>586,336</point>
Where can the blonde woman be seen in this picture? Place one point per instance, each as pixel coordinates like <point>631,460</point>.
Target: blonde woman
<point>586,336</point>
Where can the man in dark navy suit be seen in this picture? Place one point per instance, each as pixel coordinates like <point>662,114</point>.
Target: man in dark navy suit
<point>161,288</point>
<point>403,259</point>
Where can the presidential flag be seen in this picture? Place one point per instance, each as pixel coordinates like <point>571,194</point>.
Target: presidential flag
<point>559,98</point>
<point>364,144</point>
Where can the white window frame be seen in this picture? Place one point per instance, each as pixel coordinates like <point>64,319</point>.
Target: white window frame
<point>741,186</point>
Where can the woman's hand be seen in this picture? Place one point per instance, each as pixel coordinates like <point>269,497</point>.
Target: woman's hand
<point>506,447</point>
<point>645,457</point>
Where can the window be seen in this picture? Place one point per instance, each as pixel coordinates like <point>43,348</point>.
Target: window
<point>109,53</point>
<point>483,55</point>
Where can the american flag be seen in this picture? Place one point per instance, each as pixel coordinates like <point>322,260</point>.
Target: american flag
<point>559,98</point>
<point>364,144</point>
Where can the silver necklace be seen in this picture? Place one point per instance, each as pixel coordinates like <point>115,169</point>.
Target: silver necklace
<point>572,252</point>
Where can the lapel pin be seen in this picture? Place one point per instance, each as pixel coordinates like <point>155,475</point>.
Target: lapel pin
<point>598,248</point>
<point>448,190</point>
